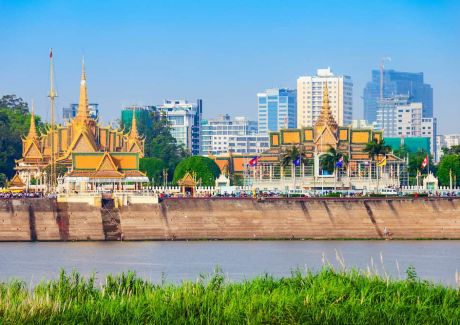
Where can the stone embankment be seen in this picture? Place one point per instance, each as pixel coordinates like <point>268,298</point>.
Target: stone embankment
<point>217,218</point>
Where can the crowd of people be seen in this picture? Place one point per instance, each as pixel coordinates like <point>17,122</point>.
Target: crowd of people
<point>242,194</point>
<point>20,195</point>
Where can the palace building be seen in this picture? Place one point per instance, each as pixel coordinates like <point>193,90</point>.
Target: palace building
<point>272,171</point>
<point>95,156</point>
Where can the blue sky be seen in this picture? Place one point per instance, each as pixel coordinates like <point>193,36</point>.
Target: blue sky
<point>223,51</point>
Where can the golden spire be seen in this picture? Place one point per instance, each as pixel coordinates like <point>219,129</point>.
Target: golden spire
<point>133,133</point>
<point>82,113</point>
<point>32,129</point>
<point>326,118</point>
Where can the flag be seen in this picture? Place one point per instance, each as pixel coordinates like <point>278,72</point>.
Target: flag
<point>253,161</point>
<point>51,53</point>
<point>382,162</point>
<point>297,162</point>
<point>425,162</point>
<point>339,163</point>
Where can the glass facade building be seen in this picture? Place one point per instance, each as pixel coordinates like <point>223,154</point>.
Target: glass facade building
<point>70,112</point>
<point>397,83</point>
<point>277,109</point>
<point>185,120</point>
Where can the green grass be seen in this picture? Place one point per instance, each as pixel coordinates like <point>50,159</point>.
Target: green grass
<point>325,297</point>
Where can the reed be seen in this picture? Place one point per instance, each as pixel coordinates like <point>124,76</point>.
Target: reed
<point>325,297</point>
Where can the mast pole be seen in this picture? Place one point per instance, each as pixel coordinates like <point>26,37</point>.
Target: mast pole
<point>52,95</point>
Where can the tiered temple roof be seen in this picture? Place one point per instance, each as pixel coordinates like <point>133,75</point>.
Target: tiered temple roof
<point>84,135</point>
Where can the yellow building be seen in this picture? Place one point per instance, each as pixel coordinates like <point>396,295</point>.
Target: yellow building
<point>92,153</point>
<point>361,172</point>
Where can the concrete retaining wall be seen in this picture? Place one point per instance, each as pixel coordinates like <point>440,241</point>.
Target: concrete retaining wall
<point>46,219</point>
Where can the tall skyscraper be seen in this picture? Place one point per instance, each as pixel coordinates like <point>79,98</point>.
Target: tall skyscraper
<point>223,135</point>
<point>185,120</point>
<point>277,109</point>
<point>397,83</point>
<point>310,97</point>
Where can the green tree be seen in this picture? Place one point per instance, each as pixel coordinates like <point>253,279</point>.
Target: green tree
<point>14,124</point>
<point>447,164</point>
<point>204,168</point>
<point>60,170</point>
<point>153,167</point>
<point>415,163</point>
<point>330,159</point>
<point>2,180</point>
<point>162,145</point>
<point>452,150</point>
<point>377,148</point>
<point>291,154</point>
<point>14,102</point>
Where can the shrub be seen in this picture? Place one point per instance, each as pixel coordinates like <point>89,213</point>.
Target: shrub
<point>205,168</point>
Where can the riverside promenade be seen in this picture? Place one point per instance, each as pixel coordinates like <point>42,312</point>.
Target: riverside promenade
<point>44,219</point>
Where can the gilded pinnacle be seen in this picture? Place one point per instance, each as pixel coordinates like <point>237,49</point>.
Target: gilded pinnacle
<point>326,118</point>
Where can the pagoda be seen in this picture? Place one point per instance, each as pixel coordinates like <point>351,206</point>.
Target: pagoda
<point>93,154</point>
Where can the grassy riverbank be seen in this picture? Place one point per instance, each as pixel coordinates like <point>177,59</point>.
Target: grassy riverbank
<point>326,297</point>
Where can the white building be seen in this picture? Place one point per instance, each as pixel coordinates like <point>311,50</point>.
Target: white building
<point>446,141</point>
<point>223,135</point>
<point>400,118</point>
<point>185,120</point>
<point>310,97</point>
<point>451,140</point>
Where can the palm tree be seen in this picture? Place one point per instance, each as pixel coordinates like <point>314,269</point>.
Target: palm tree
<point>376,149</point>
<point>290,155</point>
<point>330,160</point>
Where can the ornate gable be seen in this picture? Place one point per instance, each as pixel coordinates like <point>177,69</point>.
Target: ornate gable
<point>16,181</point>
<point>107,163</point>
<point>187,180</point>
<point>134,147</point>
<point>82,143</point>
<point>326,139</point>
<point>32,151</point>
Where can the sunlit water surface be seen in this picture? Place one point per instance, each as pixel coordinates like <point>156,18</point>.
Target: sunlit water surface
<point>179,260</point>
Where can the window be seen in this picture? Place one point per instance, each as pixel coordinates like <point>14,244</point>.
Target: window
<point>176,120</point>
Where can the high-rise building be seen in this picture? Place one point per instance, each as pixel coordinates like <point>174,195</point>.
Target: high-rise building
<point>144,115</point>
<point>277,109</point>
<point>70,112</point>
<point>429,128</point>
<point>399,117</point>
<point>396,83</point>
<point>310,97</point>
<point>185,120</point>
<point>223,135</point>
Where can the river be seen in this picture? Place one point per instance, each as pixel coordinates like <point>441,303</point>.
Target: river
<point>174,261</point>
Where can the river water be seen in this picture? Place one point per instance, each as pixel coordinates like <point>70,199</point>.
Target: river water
<point>175,261</point>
